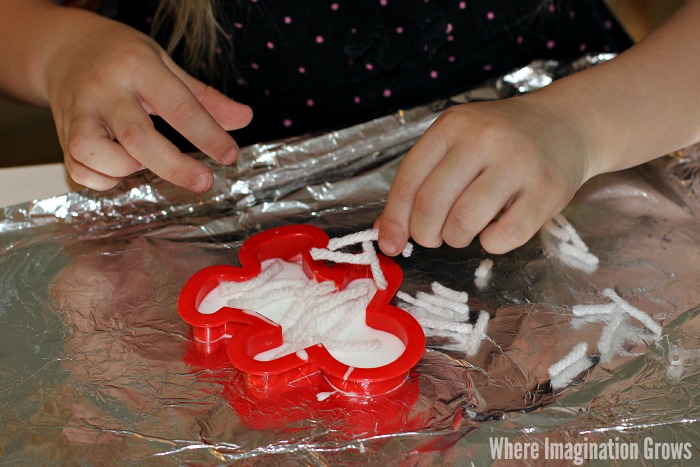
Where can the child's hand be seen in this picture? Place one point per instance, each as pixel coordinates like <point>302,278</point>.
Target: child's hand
<point>102,84</point>
<point>498,169</point>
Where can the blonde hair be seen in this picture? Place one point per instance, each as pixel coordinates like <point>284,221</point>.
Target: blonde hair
<point>194,27</point>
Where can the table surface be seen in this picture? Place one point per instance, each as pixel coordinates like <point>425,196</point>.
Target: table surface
<point>27,183</point>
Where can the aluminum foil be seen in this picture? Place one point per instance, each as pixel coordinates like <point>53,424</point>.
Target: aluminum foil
<point>97,366</point>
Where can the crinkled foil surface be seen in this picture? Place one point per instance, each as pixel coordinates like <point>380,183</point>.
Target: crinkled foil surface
<point>96,367</point>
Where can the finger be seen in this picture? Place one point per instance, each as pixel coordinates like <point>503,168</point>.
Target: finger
<point>417,164</point>
<point>231,115</point>
<point>88,177</point>
<point>90,143</point>
<point>172,100</point>
<point>477,206</point>
<point>435,198</point>
<point>520,222</point>
<point>134,130</point>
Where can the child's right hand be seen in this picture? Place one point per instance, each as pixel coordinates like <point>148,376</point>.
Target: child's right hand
<point>102,83</point>
<point>497,170</point>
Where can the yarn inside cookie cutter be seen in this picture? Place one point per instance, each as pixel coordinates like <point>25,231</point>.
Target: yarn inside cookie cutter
<point>247,333</point>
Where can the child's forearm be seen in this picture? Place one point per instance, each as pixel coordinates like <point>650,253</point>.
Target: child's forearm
<point>643,104</point>
<point>32,31</point>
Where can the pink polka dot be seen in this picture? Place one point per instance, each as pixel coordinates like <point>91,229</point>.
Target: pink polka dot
<point>319,39</point>
<point>451,58</point>
<point>386,93</point>
<point>552,8</point>
<point>287,122</point>
<point>399,29</point>
<point>608,24</point>
<point>519,40</point>
<point>238,25</point>
<point>550,44</point>
<point>369,66</point>
<point>433,74</point>
<point>450,38</point>
<point>301,70</point>
<point>357,100</point>
<point>334,6</point>
<point>449,28</point>
<point>462,5</point>
<point>254,66</point>
<point>270,45</point>
<point>383,2</point>
<point>240,81</point>
<point>488,67</point>
<point>310,102</point>
<point>572,14</point>
<point>582,47</point>
<point>217,51</point>
<point>287,20</point>
<point>490,15</point>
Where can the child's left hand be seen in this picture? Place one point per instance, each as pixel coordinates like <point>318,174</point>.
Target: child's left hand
<point>497,169</point>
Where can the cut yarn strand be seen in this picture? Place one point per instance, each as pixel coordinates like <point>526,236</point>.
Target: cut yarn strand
<point>566,244</point>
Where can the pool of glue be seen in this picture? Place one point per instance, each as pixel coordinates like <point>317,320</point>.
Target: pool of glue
<point>390,348</point>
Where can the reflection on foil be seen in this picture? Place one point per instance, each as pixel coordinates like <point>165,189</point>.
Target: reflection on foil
<point>97,366</point>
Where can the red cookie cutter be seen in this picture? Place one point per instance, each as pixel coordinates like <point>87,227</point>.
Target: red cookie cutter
<point>282,406</point>
<point>248,334</point>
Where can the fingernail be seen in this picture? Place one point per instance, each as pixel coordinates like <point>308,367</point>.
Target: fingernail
<point>388,247</point>
<point>204,182</point>
<point>230,156</point>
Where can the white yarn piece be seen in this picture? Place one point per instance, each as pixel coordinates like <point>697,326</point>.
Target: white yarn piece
<point>478,334</point>
<point>574,238</point>
<point>367,257</point>
<point>565,378</point>
<point>297,308</point>
<point>484,268</point>
<point>269,271</point>
<point>567,245</point>
<point>612,337</point>
<point>434,309</point>
<point>637,314</point>
<point>339,257</point>
<point>427,321</point>
<point>575,354</point>
<point>309,321</point>
<point>448,293</point>
<point>442,302</point>
<point>617,332</point>
<point>482,275</point>
<point>377,273</point>
<point>316,312</point>
<point>584,256</point>
<point>266,294</point>
<point>370,235</point>
<point>598,309</point>
<point>439,315</point>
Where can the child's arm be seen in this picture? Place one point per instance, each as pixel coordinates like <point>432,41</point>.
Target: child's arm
<point>501,169</point>
<point>102,79</point>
